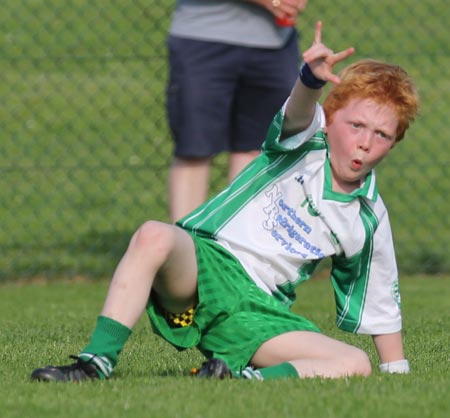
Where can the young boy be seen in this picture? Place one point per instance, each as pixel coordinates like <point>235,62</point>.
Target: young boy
<point>223,279</point>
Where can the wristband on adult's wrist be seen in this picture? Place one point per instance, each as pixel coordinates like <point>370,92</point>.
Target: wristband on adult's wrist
<point>399,366</point>
<point>309,79</point>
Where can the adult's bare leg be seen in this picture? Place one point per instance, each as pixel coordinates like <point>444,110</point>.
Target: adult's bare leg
<point>188,185</point>
<point>238,161</point>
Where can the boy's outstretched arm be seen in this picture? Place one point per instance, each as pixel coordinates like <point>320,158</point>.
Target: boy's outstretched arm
<point>301,105</point>
<point>390,352</point>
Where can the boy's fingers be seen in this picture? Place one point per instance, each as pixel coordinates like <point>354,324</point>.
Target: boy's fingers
<point>317,51</point>
<point>339,56</point>
<point>318,33</point>
<point>334,79</point>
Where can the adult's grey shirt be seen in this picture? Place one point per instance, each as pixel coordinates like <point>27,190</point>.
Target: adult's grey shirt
<point>229,21</point>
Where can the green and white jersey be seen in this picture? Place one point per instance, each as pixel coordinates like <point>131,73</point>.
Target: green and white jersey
<point>280,218</point>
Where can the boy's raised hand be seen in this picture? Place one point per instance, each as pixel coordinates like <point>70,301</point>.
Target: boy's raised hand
<point>322,59</point>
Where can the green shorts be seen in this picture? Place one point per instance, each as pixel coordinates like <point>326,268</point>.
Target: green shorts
<point>233,317</point>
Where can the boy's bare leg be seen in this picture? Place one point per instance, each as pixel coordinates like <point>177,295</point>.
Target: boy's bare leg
<point>313,355</point>
<point>159,256</point>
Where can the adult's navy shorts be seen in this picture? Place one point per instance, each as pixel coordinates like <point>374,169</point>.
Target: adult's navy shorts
<point>223,97</point>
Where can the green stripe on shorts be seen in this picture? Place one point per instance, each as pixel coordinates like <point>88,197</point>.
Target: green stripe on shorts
<point>233,316</point>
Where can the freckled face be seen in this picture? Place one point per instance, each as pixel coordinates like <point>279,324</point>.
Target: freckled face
<point>360,135</point>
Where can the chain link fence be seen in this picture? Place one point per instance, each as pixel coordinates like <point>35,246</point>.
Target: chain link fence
<point>86,147</point>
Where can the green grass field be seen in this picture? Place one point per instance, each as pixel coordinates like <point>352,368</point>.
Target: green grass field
<point>42,323</point>
<point>85,151</point>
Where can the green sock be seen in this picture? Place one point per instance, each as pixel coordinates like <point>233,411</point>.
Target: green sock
<point>105,345</point>
<point>278,371</point>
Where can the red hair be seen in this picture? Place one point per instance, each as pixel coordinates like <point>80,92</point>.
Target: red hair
<point>383,83</point>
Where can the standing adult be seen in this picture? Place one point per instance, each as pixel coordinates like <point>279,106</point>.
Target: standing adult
<point>232,65</point>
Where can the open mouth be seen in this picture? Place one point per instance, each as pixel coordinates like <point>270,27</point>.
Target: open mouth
<point>356,164</point>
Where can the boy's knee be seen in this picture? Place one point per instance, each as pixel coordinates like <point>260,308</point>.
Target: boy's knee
<point>151,234</point>
<point>360,363</point>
